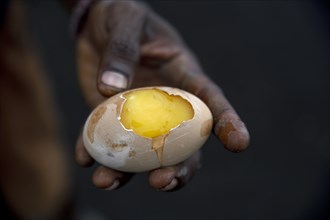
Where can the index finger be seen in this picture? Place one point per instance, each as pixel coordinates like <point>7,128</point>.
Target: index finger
<point>184,72</point>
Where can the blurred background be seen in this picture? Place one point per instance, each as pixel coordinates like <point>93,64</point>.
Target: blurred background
<point>272,61</point>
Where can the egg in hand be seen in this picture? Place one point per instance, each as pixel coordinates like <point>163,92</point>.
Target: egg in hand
<point>147,128</point>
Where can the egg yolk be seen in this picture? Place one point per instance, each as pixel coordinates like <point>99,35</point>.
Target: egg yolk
<point>151,112</point>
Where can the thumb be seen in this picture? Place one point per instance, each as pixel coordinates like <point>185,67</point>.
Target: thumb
<point>117,67</point>
<point>121,54</point>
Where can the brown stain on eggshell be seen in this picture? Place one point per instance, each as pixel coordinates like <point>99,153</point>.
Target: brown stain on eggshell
<point>118,101</point>
<point>119,145</point>
<point>116,145</point>
<point>96,116</point>
<point>131,153</point>
<point>206,127</point>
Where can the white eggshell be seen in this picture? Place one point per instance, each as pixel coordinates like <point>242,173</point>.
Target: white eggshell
<point>110,144</point>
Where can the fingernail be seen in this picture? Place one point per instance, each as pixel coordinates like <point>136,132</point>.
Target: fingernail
<point>114,185</point>
<point>114,79</point>
<point>170,186</point>
<point>182,172</point>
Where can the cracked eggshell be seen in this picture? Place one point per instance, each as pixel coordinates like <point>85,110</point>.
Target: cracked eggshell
<point>110,144</point>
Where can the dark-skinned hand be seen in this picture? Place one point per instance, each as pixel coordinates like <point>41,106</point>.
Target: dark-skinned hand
<point>125,45</point>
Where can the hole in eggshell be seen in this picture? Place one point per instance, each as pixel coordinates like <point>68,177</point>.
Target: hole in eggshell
<point>153,112</point>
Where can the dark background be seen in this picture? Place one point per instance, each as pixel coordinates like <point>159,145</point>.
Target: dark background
<point>272,61</point>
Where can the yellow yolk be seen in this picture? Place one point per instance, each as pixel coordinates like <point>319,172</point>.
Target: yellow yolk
<point>151,112</point>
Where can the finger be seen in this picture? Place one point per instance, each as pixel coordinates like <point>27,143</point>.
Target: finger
<point>174,177</point>
<point>82,156</point>
<point>181,69</point>
<point>122,52</point>
<point>185,73</point>
<point>109,179</point>
<point>158,52</point>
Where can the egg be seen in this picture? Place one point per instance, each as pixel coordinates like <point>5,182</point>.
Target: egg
<point>146,128</point>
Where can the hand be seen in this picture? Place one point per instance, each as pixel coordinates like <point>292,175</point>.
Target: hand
<point>125,40</point>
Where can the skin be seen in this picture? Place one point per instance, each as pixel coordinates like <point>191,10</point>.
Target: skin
<point>126,45</point>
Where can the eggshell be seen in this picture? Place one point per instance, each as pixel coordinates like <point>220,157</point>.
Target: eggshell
<point>112,145</point>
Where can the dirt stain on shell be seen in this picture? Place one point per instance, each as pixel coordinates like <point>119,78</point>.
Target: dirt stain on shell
<point>131,153</point>
<point>119,145</point>
<point>118,101</point>
<point>158,145</point>
<point>116,145</point>
<point>96,116</point>
<point>206,127</point>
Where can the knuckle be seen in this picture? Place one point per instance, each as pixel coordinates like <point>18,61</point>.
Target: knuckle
<point>224,111</point>
<point>124,50</point>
